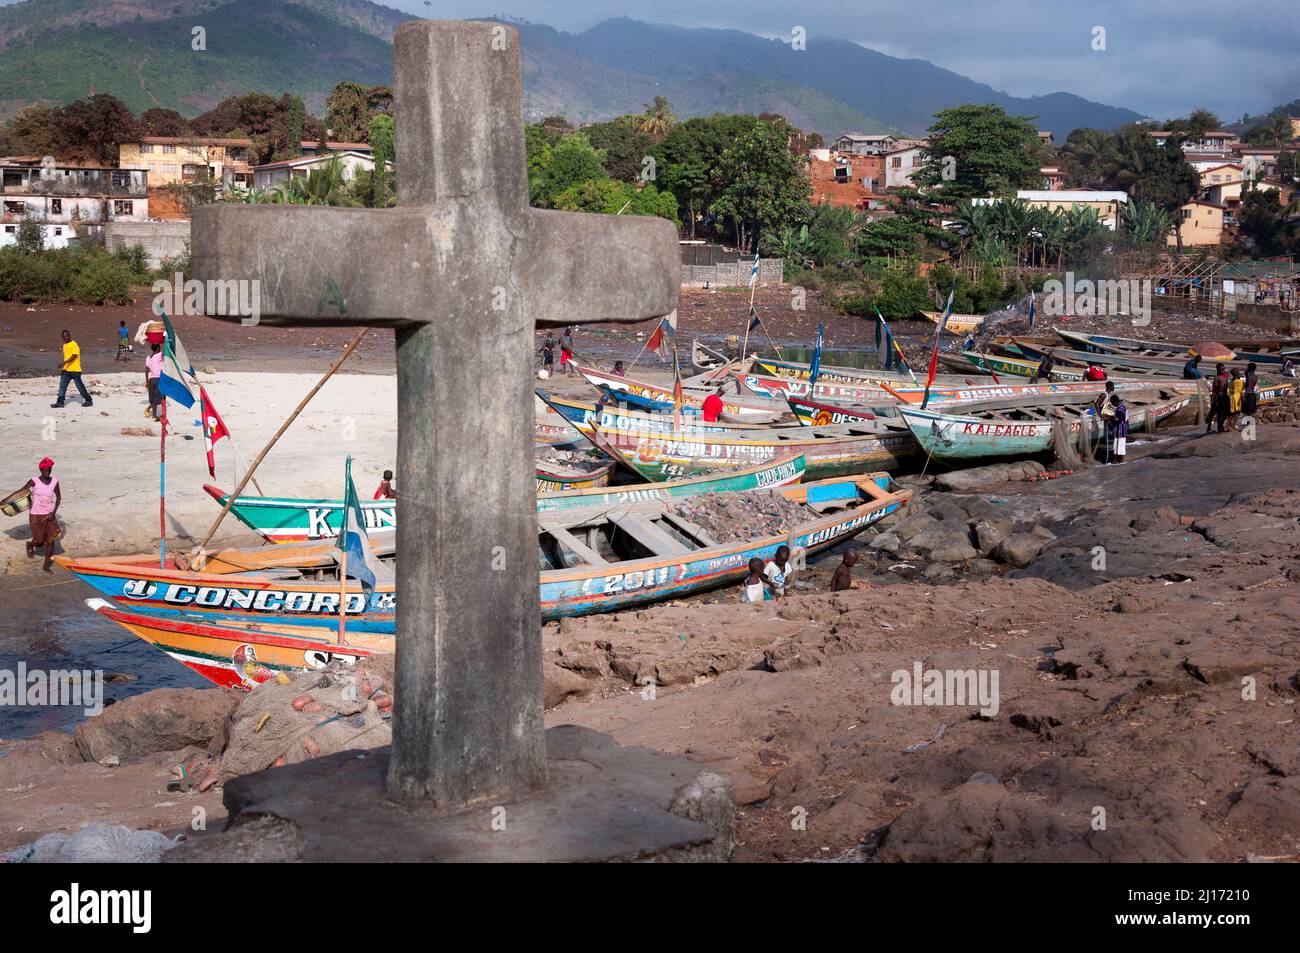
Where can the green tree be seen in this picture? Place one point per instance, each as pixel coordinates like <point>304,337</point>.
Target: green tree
<point>1146,223</point>
<point>30,239</point>
<point>569,162</point>
<point>625,148</point>
<point>764,186</point>
<point>375,187</point>
<point>350,107</point>
<point>1152,173</point>
<point>1084,157</point>
<point>1268,226</point>
<point>92,128</point>
<point>33,130</point>
<point>612,197</point>
<point>979,150</point>
<point>163,122</point>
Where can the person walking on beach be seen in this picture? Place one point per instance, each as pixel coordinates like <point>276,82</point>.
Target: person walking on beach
<point>548,352</point>
<point>385,490</point>
<point>1288,368</point>
<point>153,366</point>
<point>70,372</point>
<point>843,578</point>
<point>755,587</point>
<point>46,497</point>
<point>1236,391</point>
<point>1191,370</point>
<point>123,342</point>
<point>1250,402</point>
<point>1218,399</point>
<point>1100,402</point>
<point>1117,428</point>
<point>566,351</point>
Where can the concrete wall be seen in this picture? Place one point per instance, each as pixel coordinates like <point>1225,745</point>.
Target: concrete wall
<point>734,274</point>
<point>1269,316</point>
<point>159,239</point>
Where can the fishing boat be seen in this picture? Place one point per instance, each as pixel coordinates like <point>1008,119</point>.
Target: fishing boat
<point>957,323</point>
<point>556,477</point>
<point>1008,365</point>
<point>288,520</point>
<point>646,396</point>
<point>851,375</point>
<point>609,414</point>
<point>1261,352</point>
<point>1118,364</point>
<point>1018,428</point>
<point>840,450</point>
<point>707,361</point>
<point>820,413</point>
<point>590,560</point>
<point>243,655</point>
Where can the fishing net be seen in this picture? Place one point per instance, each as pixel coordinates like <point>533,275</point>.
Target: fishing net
<point>346,707</point>
<point>99,844</point>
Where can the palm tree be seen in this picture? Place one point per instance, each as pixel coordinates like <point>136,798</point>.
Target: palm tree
<point>658,119</point>
<point>1084,153</point>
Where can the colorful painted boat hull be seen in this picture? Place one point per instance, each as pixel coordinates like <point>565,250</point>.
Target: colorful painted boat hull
<point>659,457</point>
<point>957,437</point>
<point>584,593</point>
<point>648,396</point>
<point>957,324</point>
<point>243,656</point>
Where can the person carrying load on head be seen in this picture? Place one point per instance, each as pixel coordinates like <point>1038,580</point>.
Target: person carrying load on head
<point>46,497</point>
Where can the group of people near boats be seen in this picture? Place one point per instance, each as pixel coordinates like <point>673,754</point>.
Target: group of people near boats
<point>769,579</point>
<point>1231,394</point>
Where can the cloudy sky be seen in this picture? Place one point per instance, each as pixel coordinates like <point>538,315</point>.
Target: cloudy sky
<point>1163,58</point>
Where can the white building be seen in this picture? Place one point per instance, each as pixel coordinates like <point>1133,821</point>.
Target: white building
<point>275,174</point>
<point>901,162</point>
<point>54,236</point>
<point>64,194</point>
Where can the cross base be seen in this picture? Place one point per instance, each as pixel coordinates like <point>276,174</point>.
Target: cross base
<point>604,802</point>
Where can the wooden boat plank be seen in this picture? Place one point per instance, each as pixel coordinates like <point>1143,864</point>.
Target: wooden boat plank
<point>577,546</point>
<point>651,536</point>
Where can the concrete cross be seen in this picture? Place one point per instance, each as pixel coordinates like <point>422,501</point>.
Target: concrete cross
<point>463,270</point>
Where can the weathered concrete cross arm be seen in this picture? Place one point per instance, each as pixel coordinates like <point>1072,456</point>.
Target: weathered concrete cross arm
<point>584,268</point>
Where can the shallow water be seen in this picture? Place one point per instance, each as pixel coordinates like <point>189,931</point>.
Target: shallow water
<point>44,623</point>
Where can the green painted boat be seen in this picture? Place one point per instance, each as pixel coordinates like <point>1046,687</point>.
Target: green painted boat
<point>290,520</point>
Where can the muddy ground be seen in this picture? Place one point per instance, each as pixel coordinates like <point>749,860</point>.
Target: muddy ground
<point>1146,705</point>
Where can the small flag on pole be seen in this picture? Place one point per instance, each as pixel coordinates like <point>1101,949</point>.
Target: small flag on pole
<point>753,272</point>
<point>214,428</point>
<point>665,332</point>
<point>353,540</point>
<point>754,320</point>
<point>815,368</point>
<point>934,352</point>
<point>895,347</point>
<point>178,381</point>
<point>1031,309</point>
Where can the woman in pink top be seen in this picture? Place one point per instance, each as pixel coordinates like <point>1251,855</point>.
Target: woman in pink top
<point>153,365</point>
<point>46,497</point>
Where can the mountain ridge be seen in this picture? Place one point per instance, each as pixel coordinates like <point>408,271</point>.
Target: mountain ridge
<point>140,52</point>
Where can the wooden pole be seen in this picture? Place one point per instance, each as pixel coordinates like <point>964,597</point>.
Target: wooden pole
<point>162,490</point>
<point>278,434</point>
<point>343,588</point>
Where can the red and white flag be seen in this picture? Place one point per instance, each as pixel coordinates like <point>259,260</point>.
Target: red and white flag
<point>214,428</point>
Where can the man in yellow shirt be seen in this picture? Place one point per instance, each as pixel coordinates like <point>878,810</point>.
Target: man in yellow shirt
<point>70,371</point>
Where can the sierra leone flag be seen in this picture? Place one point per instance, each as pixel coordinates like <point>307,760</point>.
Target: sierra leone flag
<point>178,381</point>
<point>353,540</point>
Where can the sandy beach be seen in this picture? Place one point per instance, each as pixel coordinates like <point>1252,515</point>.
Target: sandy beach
<point>106,456</point>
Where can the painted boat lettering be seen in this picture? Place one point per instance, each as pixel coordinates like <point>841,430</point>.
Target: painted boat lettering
<point>307,602</point>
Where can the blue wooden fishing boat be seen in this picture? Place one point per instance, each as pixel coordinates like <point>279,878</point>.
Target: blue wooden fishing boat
<point>590,560</point>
